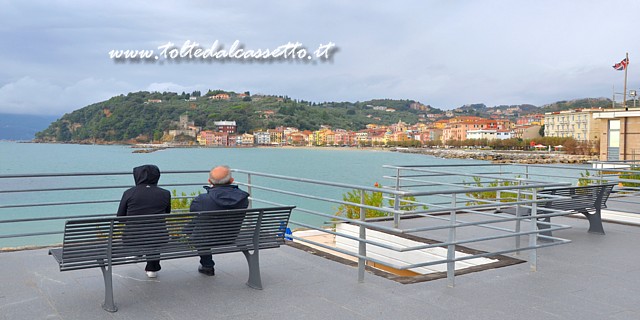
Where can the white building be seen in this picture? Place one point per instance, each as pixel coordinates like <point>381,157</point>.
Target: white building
<point>489,134</point>
<point>262,138</point>
<point>578,124</point>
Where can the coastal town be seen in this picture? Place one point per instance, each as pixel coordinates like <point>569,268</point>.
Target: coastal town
<point>583,125</point>
<point>599,129</point>
<point>602,133</point>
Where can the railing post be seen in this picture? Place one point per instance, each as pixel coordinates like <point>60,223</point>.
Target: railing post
<point>451,249</point>
<point>600,178</point>
<point>362,246</point>
<point>533,237</point>
<point>396,205</point>
<point>518,216</point>
<point>249,190</point>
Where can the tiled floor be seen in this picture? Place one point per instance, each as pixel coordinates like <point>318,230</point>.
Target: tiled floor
<point>593,277</point>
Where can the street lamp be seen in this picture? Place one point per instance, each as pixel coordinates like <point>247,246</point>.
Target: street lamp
<point>633,93</point>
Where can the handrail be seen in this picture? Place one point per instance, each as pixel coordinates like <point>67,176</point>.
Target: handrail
<point>315,210</point>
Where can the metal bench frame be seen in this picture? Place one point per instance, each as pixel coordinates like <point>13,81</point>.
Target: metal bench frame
<point>588,200</point>
<point>106,242</point>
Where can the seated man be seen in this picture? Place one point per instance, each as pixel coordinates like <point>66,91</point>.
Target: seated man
<point>221,195</point>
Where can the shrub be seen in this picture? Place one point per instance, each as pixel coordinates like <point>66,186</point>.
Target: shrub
<point>490,195</point>
<point>373,199</point>
<point>183,203</point>
<point>631,176</point>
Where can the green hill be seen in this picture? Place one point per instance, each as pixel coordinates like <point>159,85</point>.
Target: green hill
<point>144,116</point>
<point>587,103</point>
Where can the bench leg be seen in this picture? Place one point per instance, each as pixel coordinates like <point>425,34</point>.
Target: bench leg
<point>254,269</point>
<point>595,222</point>
<point>108,304</point>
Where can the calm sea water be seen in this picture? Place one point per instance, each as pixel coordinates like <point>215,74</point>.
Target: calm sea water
<point>350,166</point>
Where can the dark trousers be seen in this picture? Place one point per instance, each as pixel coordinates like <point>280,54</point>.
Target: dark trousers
<point>152,265</point>
<point>206,259</point>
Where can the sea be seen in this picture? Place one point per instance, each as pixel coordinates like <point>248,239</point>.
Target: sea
<point>359,167</point>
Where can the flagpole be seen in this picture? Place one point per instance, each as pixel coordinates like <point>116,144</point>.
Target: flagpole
<point>624,134</point>
<point>624,93</point>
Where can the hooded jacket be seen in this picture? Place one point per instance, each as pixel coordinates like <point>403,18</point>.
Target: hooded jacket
<point>225,225</point>
<point>221,197</point>
<point>146,197</point>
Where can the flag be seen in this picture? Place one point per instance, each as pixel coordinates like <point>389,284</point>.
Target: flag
<point>622,65</point>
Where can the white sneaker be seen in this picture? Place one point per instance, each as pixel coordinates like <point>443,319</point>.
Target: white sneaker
<point>152,274</point>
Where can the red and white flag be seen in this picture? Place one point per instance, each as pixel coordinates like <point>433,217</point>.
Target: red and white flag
<point>622,64</point>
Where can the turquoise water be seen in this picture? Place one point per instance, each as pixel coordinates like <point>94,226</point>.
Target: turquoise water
<point>351,166</point>
<point>344,165</point>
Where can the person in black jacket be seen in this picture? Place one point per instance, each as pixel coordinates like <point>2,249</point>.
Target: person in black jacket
<point>221,195</point>
<point>144,199</point>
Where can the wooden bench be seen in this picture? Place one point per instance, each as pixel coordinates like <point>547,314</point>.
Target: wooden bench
<point>588,200</point>
<point>107,242</point>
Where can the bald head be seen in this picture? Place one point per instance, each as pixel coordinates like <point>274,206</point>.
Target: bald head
<point>220,175</point>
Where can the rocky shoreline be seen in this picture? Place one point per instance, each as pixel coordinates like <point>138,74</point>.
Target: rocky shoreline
<point>503,156</point>
<point>523,157</point>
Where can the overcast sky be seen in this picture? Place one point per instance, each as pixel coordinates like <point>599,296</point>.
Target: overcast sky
<point>54,58</point>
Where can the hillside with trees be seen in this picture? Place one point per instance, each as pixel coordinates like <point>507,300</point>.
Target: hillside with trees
<point>145,116</point>
<point>588,103</point>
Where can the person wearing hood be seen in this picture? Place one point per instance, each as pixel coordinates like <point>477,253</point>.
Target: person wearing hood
<point>144,199</point>
<point>221,195</point>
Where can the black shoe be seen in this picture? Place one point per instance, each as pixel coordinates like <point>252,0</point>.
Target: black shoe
<point>208,271</point>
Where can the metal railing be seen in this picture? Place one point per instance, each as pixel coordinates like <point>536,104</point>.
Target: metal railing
<point>447,206</point>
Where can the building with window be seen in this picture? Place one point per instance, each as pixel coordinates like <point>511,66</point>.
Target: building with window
<point>247,139</point>
<point>229,127</point>
<point>578,124</point>
<point>489,134</point>
<point>457,127</point>
<point>620,134</point>
<point>262,138</point>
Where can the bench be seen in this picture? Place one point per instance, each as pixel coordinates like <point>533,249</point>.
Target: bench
<point>107,242</point>
<point>588,200</point>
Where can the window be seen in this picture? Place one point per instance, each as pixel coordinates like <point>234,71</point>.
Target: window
<point>614,133</point>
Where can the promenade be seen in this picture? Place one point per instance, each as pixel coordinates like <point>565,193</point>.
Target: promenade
<point>593,277</point>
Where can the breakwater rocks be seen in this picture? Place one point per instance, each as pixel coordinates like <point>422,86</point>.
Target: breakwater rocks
<point>525,157</point>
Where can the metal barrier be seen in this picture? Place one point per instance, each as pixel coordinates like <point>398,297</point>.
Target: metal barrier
<point>624,173</point>
<point>446,205</point>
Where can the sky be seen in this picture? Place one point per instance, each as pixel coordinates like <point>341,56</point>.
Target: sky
<point>54,55</point>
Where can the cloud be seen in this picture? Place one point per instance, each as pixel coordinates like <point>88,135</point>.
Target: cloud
<point>35,96</point>
<point>442,53</point>
<point>168,86</point>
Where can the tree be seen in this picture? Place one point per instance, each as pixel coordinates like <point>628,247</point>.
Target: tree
<point>157,135</point>
<point>570,146</point>
<point>63,133</point>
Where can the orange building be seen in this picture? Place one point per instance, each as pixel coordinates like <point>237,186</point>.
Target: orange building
<point>457,127</point>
